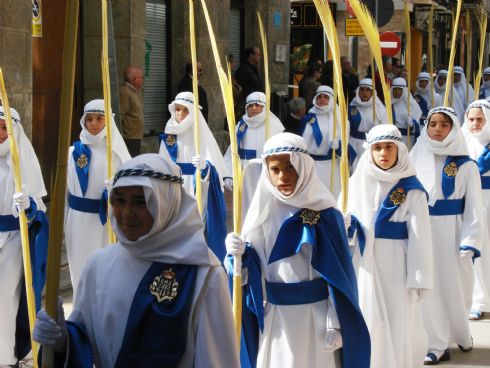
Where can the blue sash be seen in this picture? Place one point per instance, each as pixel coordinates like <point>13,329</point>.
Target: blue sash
<point>447,207</point>
<point>423,106</point>
<point>354,122</point>
<point>245,154</point>
<point>38,249</point>
<point>171,143</point>
<point>338,153</point>
<point>449,172</point>
<point>156,332</point>
<point>9,223</point>
<point>356,227</point>
<point>294,293</point>
<point>312,120</point>
<point>485,182</point>
<point>325,232</point>
<point>89,205</point>
<point>81,156</point>
<point>383,227</point>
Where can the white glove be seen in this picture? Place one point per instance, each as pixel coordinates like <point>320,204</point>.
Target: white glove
<point>198,162</point>
<point>108,184</point>
<point>235,245</point>
<point>347,221</point>
<point>228,184</point>
<point>410,122</point>
<point>21,201</point>
<point>466,254</point>
<point>333,340</point>
<point>335,144</point>
<point>47,331</point>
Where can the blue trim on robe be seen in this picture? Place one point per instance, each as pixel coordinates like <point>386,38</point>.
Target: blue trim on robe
<point>9,223</point>
<point>215,227</point>
<point>187,168</point>
<point>383,227</point>
<point>476,252</point>
<point>78,149</point>
<point>312,120</point>
<point>241,130</point>
<point>156,333</point>
<point>448,182</point>
<point>485,182</point>
<point>483,161</point>
<point>331,258</point>
<point>89,205</point>
<point>424,106</point>
<point>447,207</point>
<point>356,228</point>
<point>355,119</point>
<point>295,293</point>
<point>171,149</point>
<point>338,153</point>
<point>38,245</point>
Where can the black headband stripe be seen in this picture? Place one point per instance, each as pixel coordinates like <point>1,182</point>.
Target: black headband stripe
<point>385,138</point>
<point>184,99</point>
<point>14,119</point>
<point>97,111</point>
<point>147,173</point>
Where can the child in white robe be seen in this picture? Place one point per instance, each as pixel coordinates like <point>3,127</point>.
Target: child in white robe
<point>393,255</point>
<point>86,205</point>
<point>297,248</point>
<point>321,131</point>
<point>457,103</point>
<point>178,144</point>
<point>13,345</point>
<point>363,117</point>
<point>453,183</point>
<point>159,296</point>
<point>424,96</point>
<point>476,130</point>
<point>464,89</point>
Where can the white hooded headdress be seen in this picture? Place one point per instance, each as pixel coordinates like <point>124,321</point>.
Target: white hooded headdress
<point>477,141</point>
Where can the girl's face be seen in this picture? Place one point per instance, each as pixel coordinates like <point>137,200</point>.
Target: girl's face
<point>283,174</point>
<point>397,92</point>
<point>130,211</point>
<point>322,99</point>
<point>254,109</point>
<point>476,120</point>
<point>94,122</point>
<point>385,154</point>
<point>3,131</point>
<point>439,127</point>
<point>181,112</point>
<point>423,83</point>
<point>365,93</point>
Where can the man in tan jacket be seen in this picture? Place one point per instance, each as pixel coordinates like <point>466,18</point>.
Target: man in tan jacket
<point>132,117</point>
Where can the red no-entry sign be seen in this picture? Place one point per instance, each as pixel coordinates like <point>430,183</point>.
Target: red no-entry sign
<point>390,43</point>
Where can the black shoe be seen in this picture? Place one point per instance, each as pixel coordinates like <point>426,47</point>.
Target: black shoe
<point>431,358</point>
<point>466,349</point>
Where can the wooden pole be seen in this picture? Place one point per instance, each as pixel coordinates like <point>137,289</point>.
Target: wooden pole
<point>450,76</point>
<point>265,52</point>
<point>431,56</point>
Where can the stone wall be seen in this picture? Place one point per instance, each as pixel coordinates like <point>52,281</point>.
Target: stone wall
<point>16,56</point>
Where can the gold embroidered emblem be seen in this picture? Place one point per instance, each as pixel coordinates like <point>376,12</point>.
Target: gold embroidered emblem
<point>242,128</point>
<point>398,196</point>
<point>354,111</point>
<point>164,286</point>
<point>170,140</point>
<point>82,161</point>
<point>311,121</point>
<point>310,217</point>
<point>451,169</point>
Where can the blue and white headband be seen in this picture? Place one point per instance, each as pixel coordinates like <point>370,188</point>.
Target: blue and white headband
<point>147,173</point>
<point>184,99</point>
<point>14,119</point>
<point>478,103</point>
<point>284,149</point>
<point>380,138</point>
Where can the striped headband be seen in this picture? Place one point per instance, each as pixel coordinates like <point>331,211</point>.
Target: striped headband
<point>273,151</point>
<point>256,101</point>
<point>184,99</point>
<point>147,173</point>
<point>97,111</point>
<point>14,119</point>
<point>370,86</point>
<point>478,104</point>
<point>385,138</point>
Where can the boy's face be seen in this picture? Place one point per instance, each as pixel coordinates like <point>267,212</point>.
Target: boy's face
<point>397,92</point>
<point>322,99</point>
<point>283,174</point>
<point>439,127</point>
<point>365,93</point>
<point>476,120</point>
<point>457,77</point>
<point>3,131</point>
<point>254,109</point>
<point>94,122</point>
<point>441,80</point>
<point>385,154</point>
<point>181,112</point>
<point>423,83</point>
<point>130,211</point>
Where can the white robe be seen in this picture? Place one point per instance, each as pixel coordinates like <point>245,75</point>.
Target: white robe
<point>446,309</point>
<point>294,335</point>
<point>387,275</point>
<point>481,291</point>
<point>324,167</point>
<point>106,290</point>
<point>84,232</point>
<point>401,113</point>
